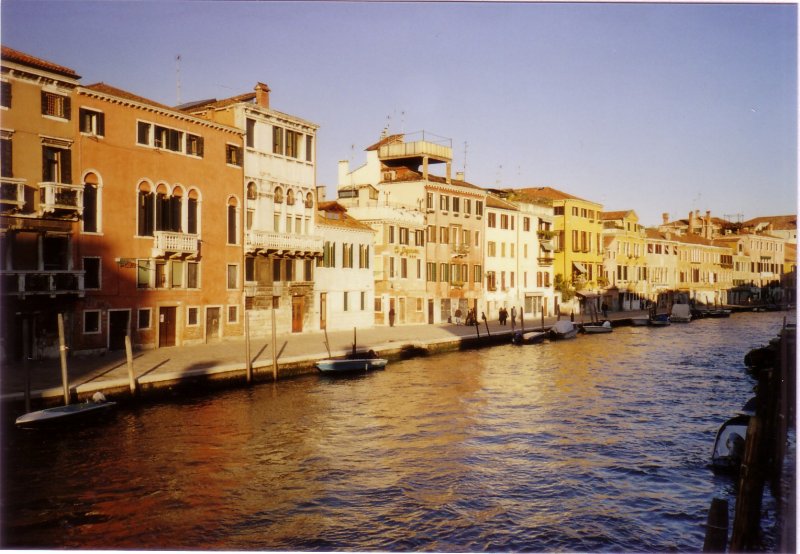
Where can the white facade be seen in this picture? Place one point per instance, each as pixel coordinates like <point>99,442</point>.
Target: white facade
<point>345,284</point>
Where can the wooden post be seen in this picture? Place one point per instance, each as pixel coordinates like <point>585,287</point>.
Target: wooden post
<point>521,320</point>
<point>354,342</point>
<point>26,363</point>
<point>486,321</point>
<point>477,324</point>
<point>327,344</point>
<point>62,348</point>
<point>542,320</point>
<point>248,362</point>
<point>274,344</point>
<point>129,358</point>
<point>716,526</point>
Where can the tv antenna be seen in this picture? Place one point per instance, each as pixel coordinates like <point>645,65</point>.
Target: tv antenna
<point>464,169</point>
<point>178,77</point>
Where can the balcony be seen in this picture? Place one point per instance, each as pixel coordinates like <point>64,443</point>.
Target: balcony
<point>545,261</point>
<point>417,149</point>
<point>35,282</point>
<point>171,244</point>
<point>12,193</point>
<point>270,242</point>
<point>60,198</point>
<point>459,250</point>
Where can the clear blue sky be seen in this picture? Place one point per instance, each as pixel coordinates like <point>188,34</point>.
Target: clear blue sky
<point>651,107</point>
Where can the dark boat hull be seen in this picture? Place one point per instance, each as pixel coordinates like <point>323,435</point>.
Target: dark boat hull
<point>63,414</point>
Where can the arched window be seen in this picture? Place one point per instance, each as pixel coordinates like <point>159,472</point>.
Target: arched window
<point>278,195</point>
<point>162,209</point>
<point>290,198</point>
<point>251,191</point>
<point>191,212</point>
<point>232,221</point>
<point>90,203</point>
<point>145,214</point>
<point>309,200</point>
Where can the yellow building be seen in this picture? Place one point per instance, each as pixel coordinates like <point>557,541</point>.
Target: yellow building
<point>578,237</point>
<point>625,267</point>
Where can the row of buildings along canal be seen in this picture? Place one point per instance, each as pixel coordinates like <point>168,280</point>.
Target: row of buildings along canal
<point>174,224</point>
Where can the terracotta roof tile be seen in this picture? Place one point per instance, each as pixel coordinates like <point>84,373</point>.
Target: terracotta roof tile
<point>550,193</point>
<point>9,54</point>
<point>114,91</point>
<point>608,216</point>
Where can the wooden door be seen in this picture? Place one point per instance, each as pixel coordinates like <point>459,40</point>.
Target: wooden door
<point>323,310</point>
<point>118,325</point>
<point>430,311</point>
<point>166,325</point>
<point>212,324</point>
<point>297,314</point>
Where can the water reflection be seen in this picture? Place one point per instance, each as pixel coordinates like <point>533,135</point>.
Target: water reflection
<point>600,443</point>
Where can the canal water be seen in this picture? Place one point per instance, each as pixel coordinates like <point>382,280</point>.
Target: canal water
<point>601,443</point>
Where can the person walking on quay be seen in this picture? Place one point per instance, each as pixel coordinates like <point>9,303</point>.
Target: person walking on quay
<point>503,316</point>
<point>513,316</point>
<point>604,307</point>
<point>458,316</point>
<point>391,317</point>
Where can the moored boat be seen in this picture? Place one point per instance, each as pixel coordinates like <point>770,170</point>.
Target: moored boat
<point>352,364</point>
<point>729,444</point>
<point>659,320</point>
<point>681,313</point>
<point>592,328</point>
<point>528,337</point>
<point>65,414</point>
<point>563,329</point>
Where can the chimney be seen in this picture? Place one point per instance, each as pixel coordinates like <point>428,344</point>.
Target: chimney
<point>262,95</point>
<point>344,169</point>
<point>459,175</point>
<point>665,218</point>
<point>707,225</point>
<point>320,193</point>
<point>690,230</point>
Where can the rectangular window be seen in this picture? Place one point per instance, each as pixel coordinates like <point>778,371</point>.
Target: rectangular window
<point>363,256</point>
<point>194,145</point>
<point>91,267</point>
<point>192,275</point>
<point>404,268</point>
<point>233,314</point>
<point>430,272</point>
<point>491,220</point>
<point>347,255</point>
<point>444,202</point>
<point>55,105</point>
<point>177,274</point>
<point>161,275</point>
<point>91,122</point>
<point>432,233</point>
<point>233,276</point>
<point>143,273</point>
<point>292,143</point>
<point>403,235</point>
<point>277,140</point>
<point>289,271</point>
<point>6,165</point>
<point>346,301</point>
<point>192,318</point>
<point>391,234</point>
<point>56,165</point>
<point>456,204</point>
<point>558,210</point>
<point>251,133</point>
<point>503,221</point>
<point>419,238</point>
<point>363,300</point>
<point>491,249</point>
<point>233,155</point>
<point>478,208</point>
<point>526,224</point>
<point>467,206</point>
<point>309,148</point>
<point>143,132</point>
<point>444,235</point>
<point>429,201</point>
<point>91,322</point>
<point>444,273</point>
<point>5,94</point>
<point>143,318</point>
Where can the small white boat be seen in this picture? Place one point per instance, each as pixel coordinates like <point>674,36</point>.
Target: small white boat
<point>528,337</point>
<point>681,313</point>
<point>64,414</point>
<point>563,329</point>
<point>729,444</point>
<point>591,328</point>
<point>352,364</point>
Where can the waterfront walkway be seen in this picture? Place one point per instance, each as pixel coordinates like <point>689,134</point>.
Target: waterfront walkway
<point>167,367</point>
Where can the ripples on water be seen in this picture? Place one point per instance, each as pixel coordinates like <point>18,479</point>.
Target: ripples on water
<point>596,444</point>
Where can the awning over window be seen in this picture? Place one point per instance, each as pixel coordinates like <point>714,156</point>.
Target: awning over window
<point>579,267</point>
<point>546,245</point>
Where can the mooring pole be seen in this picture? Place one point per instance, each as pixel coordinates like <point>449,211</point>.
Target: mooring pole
<point>717,526</point>
<point>354,342</point>
<point>327,344</point>
<point>248,362</point>
<point>483,314</point>
<point>274,343</point>
<point>521,320</point>
<point>62,348</point>
<point>543,319</point>
<point>26,363</point>
<point>129,360</point>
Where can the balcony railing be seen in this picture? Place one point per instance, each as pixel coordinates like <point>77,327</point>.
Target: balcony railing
<point>60,197</point>
<point>415,149</point>
<point>12,193</point>
<point>545,260</point>
<point>51,283</point>
<point>172,244</point>
<point>285,243</point>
